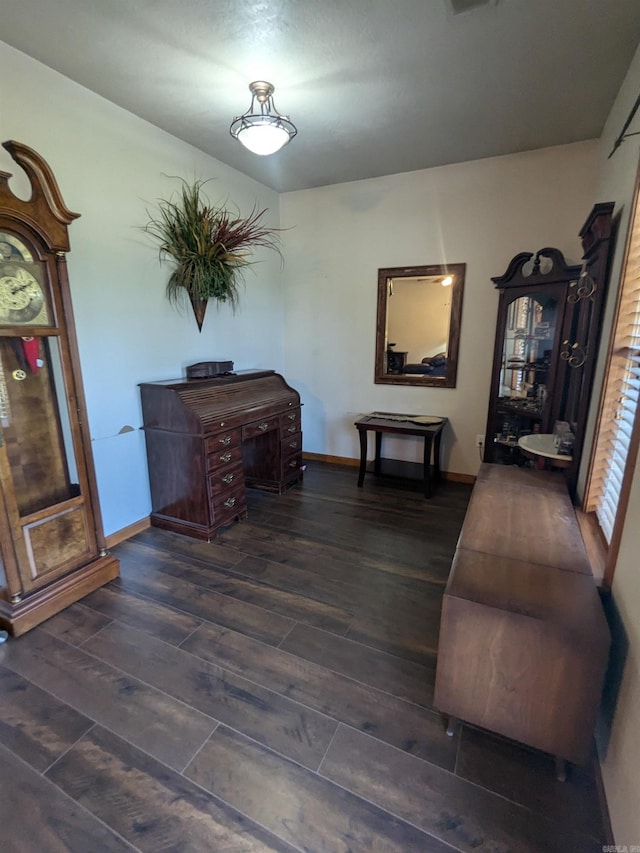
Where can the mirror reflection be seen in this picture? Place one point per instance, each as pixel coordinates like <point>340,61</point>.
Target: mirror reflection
<point>418,326</point>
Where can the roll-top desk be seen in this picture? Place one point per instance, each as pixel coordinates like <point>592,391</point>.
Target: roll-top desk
<point>208,439</point>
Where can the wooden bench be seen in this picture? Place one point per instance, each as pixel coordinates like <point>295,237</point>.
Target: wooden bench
<point>523,639</point>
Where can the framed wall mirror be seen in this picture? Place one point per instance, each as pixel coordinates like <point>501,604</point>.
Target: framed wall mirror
<point>418,325</point>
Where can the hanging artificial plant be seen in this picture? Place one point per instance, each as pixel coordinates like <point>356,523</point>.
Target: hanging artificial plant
<point>209,245</point>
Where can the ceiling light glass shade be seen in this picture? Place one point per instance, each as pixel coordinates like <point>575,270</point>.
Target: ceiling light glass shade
<point>262,129</point>
<point>262,137</point>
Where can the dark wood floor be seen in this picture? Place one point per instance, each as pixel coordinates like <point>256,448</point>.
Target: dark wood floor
<point>270,691</point>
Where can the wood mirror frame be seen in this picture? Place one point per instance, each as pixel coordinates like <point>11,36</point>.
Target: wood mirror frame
<point>391,365</point>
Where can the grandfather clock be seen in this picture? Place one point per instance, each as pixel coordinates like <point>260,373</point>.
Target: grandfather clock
<point>52,548</point>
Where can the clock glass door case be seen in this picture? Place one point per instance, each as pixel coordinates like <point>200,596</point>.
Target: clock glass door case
<point>45,487</point>
<point>52,548</point>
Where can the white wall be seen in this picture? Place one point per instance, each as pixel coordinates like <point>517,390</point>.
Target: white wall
<point>479,213</point>
<point>111,166</point>
<point>620,748</point>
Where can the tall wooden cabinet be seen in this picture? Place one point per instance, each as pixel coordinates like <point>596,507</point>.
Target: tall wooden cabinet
<point>547,336</point>
<point>52,548</point>
<point>533,321</point>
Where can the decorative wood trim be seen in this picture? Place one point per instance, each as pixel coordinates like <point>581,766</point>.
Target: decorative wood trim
<point>597,227</point>
<point>119,536</point>
<point>35,608</point>
<point>458,272</point>
<point>454,477</point>
<point>451,476</point>
<point>594,543</point>
<point>46,199</point>
<point>515,276</point>
<point>43,182</point>
<point>335,460</point>
<point>623,502</point>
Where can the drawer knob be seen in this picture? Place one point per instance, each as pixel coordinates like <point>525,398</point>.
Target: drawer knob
<point>293,444</point>
<point>263,426</point>
<point>228,478</point>
<point>230,502</point>
<point>293,464</point>
<point>226,440</point>
<point>226,457</point>
<point>291,429</point>
<point>291,417</point>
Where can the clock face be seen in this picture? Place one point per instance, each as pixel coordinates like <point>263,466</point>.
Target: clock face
<point>22,300</point>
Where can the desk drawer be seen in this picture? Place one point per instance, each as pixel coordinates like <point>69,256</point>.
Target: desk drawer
<point>290,445</point>
<point>291,465</point>
<point>222,440</point>
<point>224,456</point>
<point>290,422</point>
<point>229,505</point>
<point>225,478</point>
<point>259,427</point>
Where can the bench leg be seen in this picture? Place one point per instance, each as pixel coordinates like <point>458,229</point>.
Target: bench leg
<point>452,723</point>
<point>561,769</point>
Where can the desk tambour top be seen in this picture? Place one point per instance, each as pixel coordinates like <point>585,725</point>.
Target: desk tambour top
<point>201,406</point>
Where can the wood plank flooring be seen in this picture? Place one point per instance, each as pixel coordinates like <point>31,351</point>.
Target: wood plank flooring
<point>270,691</point>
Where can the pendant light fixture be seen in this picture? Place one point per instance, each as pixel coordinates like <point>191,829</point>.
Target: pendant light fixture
<point>262,129</point>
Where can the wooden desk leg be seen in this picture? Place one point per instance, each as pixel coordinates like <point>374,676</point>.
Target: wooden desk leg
<point>376,463</point>
<point>363,456</point>
<point>427,466</point>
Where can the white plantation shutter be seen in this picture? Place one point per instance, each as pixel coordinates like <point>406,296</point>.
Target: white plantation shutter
<point>616,440</point>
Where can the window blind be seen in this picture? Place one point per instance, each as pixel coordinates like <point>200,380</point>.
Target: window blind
<point>611,461</point>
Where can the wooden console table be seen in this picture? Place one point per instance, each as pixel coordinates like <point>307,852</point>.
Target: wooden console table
<point>426,427</point>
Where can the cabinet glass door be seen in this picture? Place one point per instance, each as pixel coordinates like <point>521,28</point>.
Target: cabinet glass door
<point>527,351</point>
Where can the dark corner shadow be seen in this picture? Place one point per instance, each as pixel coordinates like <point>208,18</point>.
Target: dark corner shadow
<point>615,671</point>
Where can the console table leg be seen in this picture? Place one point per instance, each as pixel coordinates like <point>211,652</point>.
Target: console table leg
<point>427,466</point>
<point>363,456</point>
<point>452,723</point>
<point>376,463</point>
<point>436,457</point>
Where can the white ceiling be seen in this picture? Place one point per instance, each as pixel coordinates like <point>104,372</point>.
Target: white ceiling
<point>375,87</point>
